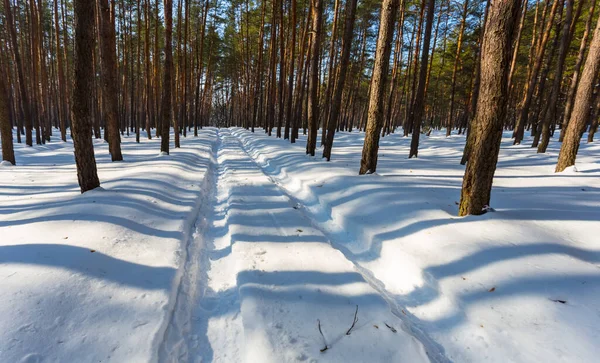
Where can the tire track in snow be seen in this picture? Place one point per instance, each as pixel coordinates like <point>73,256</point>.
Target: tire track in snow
<point>173,336</point>
<point>434,350</point>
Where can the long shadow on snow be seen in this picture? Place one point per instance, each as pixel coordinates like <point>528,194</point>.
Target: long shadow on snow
<point>82,260</point>
<point>383,192</point>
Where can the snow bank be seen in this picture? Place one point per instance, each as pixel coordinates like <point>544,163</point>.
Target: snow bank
<point>518,285</point>
<point>87,278</point>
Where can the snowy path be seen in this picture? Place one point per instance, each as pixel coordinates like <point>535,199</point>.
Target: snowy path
<point>264,275</point>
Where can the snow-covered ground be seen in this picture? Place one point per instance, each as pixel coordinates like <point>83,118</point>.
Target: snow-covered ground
<point>87,278</point>
<point>238,246</point>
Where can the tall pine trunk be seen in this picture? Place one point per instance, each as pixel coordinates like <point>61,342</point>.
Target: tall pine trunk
<point>418,106</point>
<point>81,109</point>
<point>581,105</point>
<point>339,88</point>
<point>368,162</point>
<point>313,79</point>
<point>166,105</point>
<point>491,107</point>
<point>8,154</point>
<point>109,80</point>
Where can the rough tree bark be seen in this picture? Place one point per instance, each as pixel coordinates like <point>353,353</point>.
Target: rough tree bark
<point>81,108</point>
<point>581,105</point>
<point>10,24</point>
<point>491,107</point>
<point>166,107</point>
<point>339,88</point>
<point>531,85</point>
<point>418,107</point>
<point>313,80</point>
<point>461,32</point>
<point>110,93</point>
<point>552,104</point>
<point>368,163</point>
<point>577,70</point>
<point>8,153</point>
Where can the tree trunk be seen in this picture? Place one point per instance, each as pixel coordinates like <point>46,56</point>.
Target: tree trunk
<point>419,98</point>
<point>166,106</point>
<point>449,122</point>
<point>290,98</point>
<point>552,104</point>
<point>109,80</point>
<point>339,88</point>
<point>581,106</point>
<point>19,65</point>
<point>313,80</point>
<point>576,71</point>
<point>368,163</point>
<point>61,106</point>
<point>82,95</point>
<point>594,125</point>
<point>530,86</point>
<point>8,154</point>
<point>491,107</point>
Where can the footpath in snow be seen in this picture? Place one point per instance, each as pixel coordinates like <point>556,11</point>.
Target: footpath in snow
<point>266,276</point>
<point>521,284</point>
<point>236,247</point>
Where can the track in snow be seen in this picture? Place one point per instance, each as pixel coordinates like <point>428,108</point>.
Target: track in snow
<point>259,273</point>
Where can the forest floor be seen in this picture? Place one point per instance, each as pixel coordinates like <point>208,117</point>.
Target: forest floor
<point>238,246</point>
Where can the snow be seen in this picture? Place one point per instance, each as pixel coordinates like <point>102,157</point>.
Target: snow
<point>87,278</point>
<point>235,246</point>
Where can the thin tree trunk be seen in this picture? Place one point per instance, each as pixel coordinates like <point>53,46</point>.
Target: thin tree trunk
<point>8,154</point>
<point>339,88</point>
<point>166,106</point>
<point>109,80</point>
<point>290,94</point>
<point>19,65</point>
<point>313,80</point>
<point>576,71</point>
<point>552,104</point>
<point>449,122</point>
<point>531,85</point>
<point>419,98</point>
<point>368,162</point>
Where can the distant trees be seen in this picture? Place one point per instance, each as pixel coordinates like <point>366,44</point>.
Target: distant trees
<point>296,66</point>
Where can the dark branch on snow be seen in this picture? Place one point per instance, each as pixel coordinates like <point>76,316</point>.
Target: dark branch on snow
<point>354,321</point>
<point>324,340</point>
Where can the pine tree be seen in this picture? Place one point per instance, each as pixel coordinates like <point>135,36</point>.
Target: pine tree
<point>166,107</point>
<point>82,96</point>
<point>368,163</point>
<point>491,107</point>
<point>581,106</point>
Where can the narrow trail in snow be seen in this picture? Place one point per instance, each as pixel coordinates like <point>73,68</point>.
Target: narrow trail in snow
<point>258,274</point>
<point>435,351</point>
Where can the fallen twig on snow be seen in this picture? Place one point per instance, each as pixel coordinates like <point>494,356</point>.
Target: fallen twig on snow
<point>324,340</point>
<point>354,321</point>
